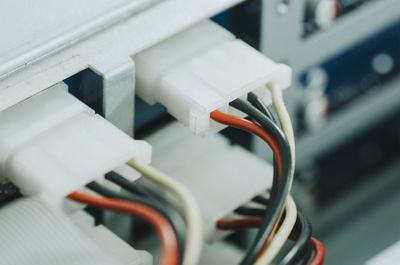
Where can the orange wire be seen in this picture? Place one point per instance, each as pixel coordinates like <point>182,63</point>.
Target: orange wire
<point>169,241</point>
<point>319,250</point>
<point>249,126</point>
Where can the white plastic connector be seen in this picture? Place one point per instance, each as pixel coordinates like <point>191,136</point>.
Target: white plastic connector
<point>33,232</point>
<point>221,177</point>
<point>201,70</point>
<point>52,144</point>
<point>115,247</point>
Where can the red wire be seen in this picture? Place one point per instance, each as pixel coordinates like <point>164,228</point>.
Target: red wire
<point>319,250</point>
<point>169,241</point>
<point>250,222</point>
<point>249,126</point>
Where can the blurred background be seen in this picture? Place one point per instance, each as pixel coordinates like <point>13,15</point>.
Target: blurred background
<point>345,105</point>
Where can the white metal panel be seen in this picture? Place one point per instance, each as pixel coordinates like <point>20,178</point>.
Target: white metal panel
<point>33,27</point>
<point>103,42</point>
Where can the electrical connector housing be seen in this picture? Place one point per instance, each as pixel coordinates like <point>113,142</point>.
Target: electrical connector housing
<point>202,69</point>
<point>221,177</point>
<point>52,144</point>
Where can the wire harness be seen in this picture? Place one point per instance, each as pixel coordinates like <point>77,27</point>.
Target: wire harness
<point>276,216</point>
<point>279,221</point>
<point>169,241</point>
<point>194,239</point>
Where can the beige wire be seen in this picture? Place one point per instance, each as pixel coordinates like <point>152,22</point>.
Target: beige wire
<point>286,123</point>
<point>194,238</point>
<point>281,236</point>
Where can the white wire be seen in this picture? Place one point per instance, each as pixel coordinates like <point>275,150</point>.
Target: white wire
<point>286,123</point>
<point>194,228</point>
<point>281,236</point>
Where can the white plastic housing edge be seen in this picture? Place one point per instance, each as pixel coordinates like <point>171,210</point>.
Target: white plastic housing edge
<point>202,69</point>
<point>52,144</point>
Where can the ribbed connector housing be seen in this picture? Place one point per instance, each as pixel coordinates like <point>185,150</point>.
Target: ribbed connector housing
<point>201,70</point>
<point>52,144</point>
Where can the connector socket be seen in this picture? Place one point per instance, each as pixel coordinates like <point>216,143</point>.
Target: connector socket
<point>52,144</point>
<point>201,70</point>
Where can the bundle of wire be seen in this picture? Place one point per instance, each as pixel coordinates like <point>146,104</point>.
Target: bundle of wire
<point>277,221</point>
<point>301,250</point>
<point>163,225</point>
<point>280,218</point>
<point>144,204</point>
<point>191,210</point>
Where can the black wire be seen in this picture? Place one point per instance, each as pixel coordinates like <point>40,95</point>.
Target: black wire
<point>249,211</point>
<point>278,198</point>
<point>169,214</point>
<point>253,211</point>
<point>298,250</point>
<point>261,200</point>
<point>261,106</point>
<point>306,256</point>
<point>142,191</point>
<point>129,186</point>
<point>303,241</point>
<point>301,233</point>
<point>299,229</point>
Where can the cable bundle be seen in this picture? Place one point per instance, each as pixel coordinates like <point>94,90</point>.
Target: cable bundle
<point>280,219</point>
<point>176,249</point>
<point>277,220</point>
<point>169,241</point>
